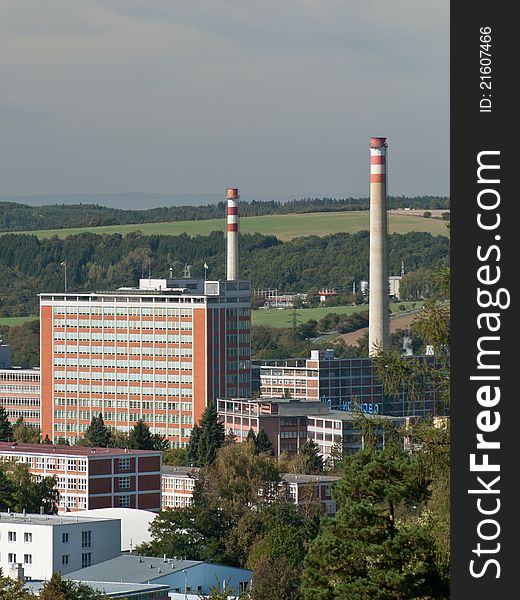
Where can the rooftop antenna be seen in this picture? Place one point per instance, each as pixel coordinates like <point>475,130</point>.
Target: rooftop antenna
<point>187,271</point>
<point>171,272</point>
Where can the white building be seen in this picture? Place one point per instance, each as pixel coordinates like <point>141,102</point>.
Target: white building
<point>42,544</point>
<point>177,486</point>
<point>182,576</point>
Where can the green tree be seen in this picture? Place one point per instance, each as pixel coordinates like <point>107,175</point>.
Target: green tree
<point>27,493</point>
<point>140,437</point>
<point>211,438</point>
<point>57,588</point>
<point>14,589</point>
<point>6,429</point>
<point>175,457</point>
<point>376,547</point>
<point>276,579</point>
<point>192,452</point>
<point>312,459</point>
<point>263,443</point>
<point>97,433</point>
<point>23,434</point>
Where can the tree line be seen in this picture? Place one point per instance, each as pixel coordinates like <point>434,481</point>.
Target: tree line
<point>23,217</point>
<point>29,266</point>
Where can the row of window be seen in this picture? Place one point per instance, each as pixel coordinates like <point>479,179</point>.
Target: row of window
<point>123,337</point>
<point>72,311</point>
<point>174,377</point>
<point>54,464</point>
<point>109,351</point>
<point>123,417</point>
<point>26,389</point>
<point>107,363</point>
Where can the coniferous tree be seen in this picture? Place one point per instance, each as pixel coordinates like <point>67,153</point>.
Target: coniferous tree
<point>24,434</point>
<point>313,461</point>
<point>97,433</point>
<point>263,443</point>
<point>6,429</point>
<point>192,453</point>
<point>211,438</point>
<point>140,437</point>
<point>377,547</point>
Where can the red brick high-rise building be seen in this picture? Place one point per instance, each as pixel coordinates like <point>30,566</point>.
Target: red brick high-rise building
<point>160,352</point>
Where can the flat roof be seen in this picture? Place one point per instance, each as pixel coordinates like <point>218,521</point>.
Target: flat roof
<point>298,478</point>
<point>348,415</point>
<point>108,587</point>
<point>132,569</point>
<point>64,450</point>
<point>50,520</point>
<point>183,471</point>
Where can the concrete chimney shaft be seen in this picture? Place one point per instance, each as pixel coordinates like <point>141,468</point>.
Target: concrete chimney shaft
<point>232,233</point>
<point>378,278</point>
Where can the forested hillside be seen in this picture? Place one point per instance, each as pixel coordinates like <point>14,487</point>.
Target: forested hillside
<point>22,217</point>
<point>94,262</point>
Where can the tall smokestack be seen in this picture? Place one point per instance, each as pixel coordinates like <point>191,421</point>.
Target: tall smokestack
<point>232,233</point>
<point>378,279</point>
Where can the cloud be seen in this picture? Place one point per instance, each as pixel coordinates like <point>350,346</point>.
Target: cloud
<point>183,95</point>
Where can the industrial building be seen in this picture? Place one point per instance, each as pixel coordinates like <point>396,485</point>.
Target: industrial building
<point>94,477</point>
<point>189,576</point>
<point>160,352</point>
<point>349,384</point>
<point>283,420</point>
<point>39,545</point>
<point>20,395</point>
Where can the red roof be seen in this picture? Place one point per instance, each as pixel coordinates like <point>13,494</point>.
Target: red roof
<point>55,449</point>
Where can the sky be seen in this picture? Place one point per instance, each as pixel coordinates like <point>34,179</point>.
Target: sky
<point>275,97</point>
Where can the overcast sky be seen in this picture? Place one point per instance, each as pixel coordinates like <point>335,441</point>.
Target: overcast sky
<point>193,96</point>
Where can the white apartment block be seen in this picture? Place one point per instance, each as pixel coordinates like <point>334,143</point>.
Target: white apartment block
<point>42,544</point>
<point>177,486</point>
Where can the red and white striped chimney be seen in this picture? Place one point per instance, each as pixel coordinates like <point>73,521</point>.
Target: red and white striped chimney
<point>378,277</point>
<point>232,233</point>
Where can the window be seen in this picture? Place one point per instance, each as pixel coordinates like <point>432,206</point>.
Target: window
<point>124,501</point>
<point>124,483</point>
<point>27,559</point>
<point>65,538</point>
<point>86,540</point>
<point>86,559</point>
<point>64,559</point>
<point>11,536</point>
<point>27,537</point>
<point>124,464</point>
<point>11,558</point>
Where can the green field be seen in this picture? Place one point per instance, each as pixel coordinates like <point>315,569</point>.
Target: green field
<point>16,320</point>
<point>284,227</point>
<point>282,317</point>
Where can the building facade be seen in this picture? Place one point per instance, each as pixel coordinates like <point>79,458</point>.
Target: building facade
<point>20,395</point>
<point>348,384</point>
<point>177,486</point>
<point>160,353</point>
<point>305,489</point>
<point>339,432</point>
<point>283,420</point>
<point>43,544</point>
<point>90,478</point>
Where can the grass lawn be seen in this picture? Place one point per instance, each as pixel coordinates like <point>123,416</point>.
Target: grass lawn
<point>16,320</point>
<point>284,227</point>
<point>282,317</point>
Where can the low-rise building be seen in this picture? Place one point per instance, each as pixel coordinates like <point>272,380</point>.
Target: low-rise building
<point>188,576</point>
<point>20,395</point>
<point>111,589</point>
<point>284,420</point>
<point>42,544</point>
<point>305,489</point>
<point>177,486</point>
<point>342,430</point>
<point>94,477</point>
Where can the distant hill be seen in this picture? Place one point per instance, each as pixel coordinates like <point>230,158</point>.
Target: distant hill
<point>15,216</point>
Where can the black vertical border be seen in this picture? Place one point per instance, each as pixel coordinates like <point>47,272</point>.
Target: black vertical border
<point>472,132</point>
